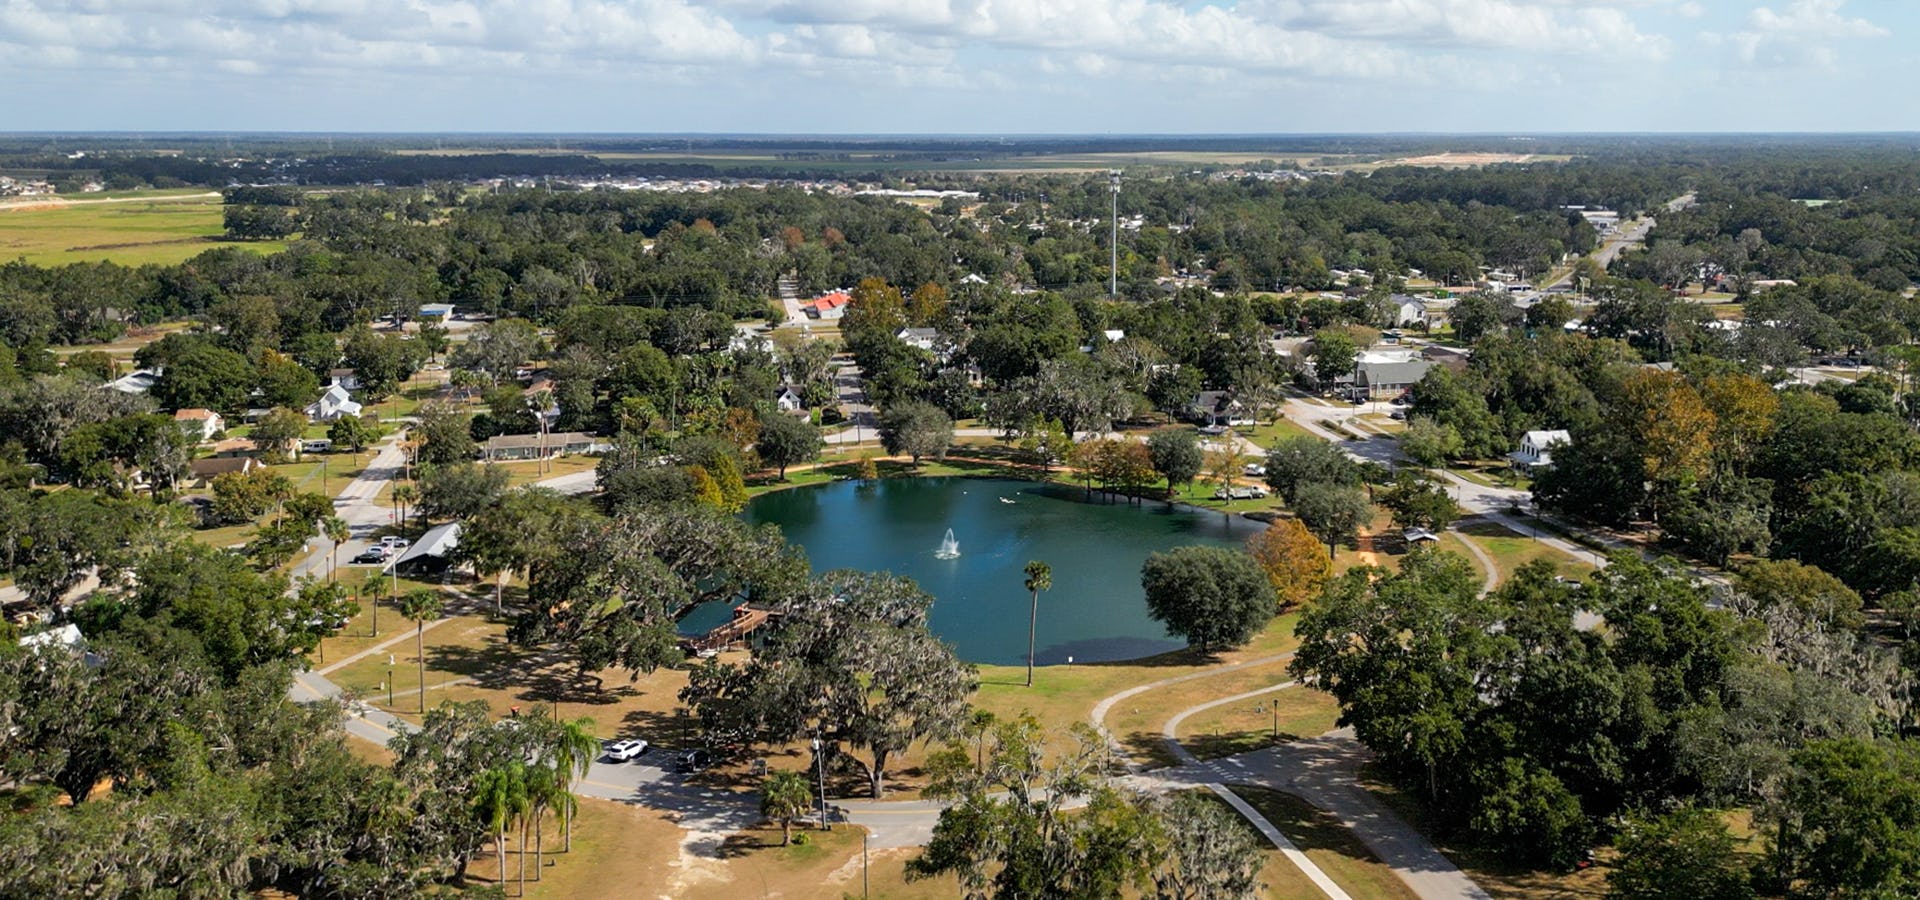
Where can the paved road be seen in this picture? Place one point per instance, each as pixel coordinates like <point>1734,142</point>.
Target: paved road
<point>359,504</point>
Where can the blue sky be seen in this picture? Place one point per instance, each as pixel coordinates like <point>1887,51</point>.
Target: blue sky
<point>960,66</point>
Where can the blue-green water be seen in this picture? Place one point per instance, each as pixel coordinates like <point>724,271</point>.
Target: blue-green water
<point>1096,610</point>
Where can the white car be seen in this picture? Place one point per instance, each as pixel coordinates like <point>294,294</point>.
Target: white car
<point>622,751</point>
<point>394,542</point>
<point>1255,469</point>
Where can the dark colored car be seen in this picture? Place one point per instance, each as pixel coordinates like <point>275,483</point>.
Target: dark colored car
<point>692,761</point>
<point>372,556</point>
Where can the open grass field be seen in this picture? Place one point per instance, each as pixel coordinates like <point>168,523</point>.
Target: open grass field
<point>162,227</point>
<point>1251,724</point>
<point>1510,551</point>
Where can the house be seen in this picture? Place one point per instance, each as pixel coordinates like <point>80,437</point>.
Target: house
<point>232,448</point>
<point>200,424</point>
<point>1408,310</point>
<point>437,312</point>
<point>202,471</point>
<point>830,306</point>
<point>1536,449</point>
<point>508,447</point>
<point>138,381</point>
<point>1418,535</point>
<point>332,405</point>
<point>921,338</point>
<point>348,379</point>
<point>789,400</point>
<point>432,554</point>
<point>1385,379</point>
<point>1217,408</point>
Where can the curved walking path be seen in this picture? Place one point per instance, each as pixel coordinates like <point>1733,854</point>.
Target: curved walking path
<point>1322,771</point>
<point>1100,710</point>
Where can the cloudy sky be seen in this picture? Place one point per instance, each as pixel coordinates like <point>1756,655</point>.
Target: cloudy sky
<point>960,66</point>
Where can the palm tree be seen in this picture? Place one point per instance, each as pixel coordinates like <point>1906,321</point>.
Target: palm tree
<point>785,796</point>
<point>420,607</point>
<point>337,531</point>
<point>374,588</point>
<point>500,797</point>
<point>404,495</point>
<point>1039,578</point>
<point>572,747</point>
<point>544,786</point>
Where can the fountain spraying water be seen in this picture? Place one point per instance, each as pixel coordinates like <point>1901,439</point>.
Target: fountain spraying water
<point>949,548</point>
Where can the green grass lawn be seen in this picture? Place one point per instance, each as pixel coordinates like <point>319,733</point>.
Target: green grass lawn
<point>169,228</point>
<point>1328,844</point>
<point>1510,551</point>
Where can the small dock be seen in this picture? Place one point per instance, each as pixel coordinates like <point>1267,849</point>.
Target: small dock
<point>746,620</point>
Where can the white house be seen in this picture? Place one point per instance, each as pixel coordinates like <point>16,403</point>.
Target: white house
<point>345,378</point>
<point>138,381</point>
<point>332,405</point>
<point>923,338</point>
<point>1536,449</point>
<point>789,400</point>
<point>200,424</point>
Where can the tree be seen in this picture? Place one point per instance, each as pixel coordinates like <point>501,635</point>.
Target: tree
<point>1334,513</point>
<point>1685,854</point>
<point>1297,461</point>
<point>337,531</point>
<point>916,429</point>
<point>353,432</point>
<point>1848,821</point>
<point>1210,596</point>
<point>284,382</point>
<point>1290,555</point>
<point>572,747</point>
<point>498,348</point>
<point>202,375</point>
<point>459,490</point>
<point>403,495</point>
<point>1039,578</point>
<point>1176,455</point>
<point>1419,502</point>
<point>1047,443</point>
<point>1209,853</point>
<point>1429,443</point>
<point>785,796</point>
<point>786,441</point>
<point>1334,355</point>
<point>277,430</point>
<point>444,434</point>
<point>500,799</point>
<point>420,607</point>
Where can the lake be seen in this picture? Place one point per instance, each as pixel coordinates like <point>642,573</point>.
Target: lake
<point>1096,611</point>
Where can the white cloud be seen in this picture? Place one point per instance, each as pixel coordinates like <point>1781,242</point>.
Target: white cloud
<point>1802,33</point>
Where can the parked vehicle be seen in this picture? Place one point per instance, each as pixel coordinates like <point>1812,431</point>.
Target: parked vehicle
<point>1255,469</point>
<point>1240,493</point>
<point>372,556</point>
<point>394,542</point>
<point>625,750</point>
<point>692,761</point>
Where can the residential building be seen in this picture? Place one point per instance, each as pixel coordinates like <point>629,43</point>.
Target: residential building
<point>1378,379</point>
<point>1536,449</point>
<point>200,424</point>
<point>436,312</point>
<point>347,379</point>
<point>138,381</point>
<point>202,471</point>
<point>921,338</point>
<point>1217,408</point>
<point>333,404</point>
<point>789,400</point>
<point>508,447</point>
<point>828,307</point>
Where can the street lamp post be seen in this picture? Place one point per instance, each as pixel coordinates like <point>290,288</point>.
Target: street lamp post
<point>820,766</point>
<point>389,681</point>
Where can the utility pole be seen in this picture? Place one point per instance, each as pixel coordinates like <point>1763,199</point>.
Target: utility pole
<point>1113,244</point>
